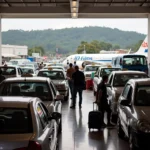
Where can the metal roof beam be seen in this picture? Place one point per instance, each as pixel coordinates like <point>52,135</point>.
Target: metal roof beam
<point>144,2</point>
<point>5,1</point>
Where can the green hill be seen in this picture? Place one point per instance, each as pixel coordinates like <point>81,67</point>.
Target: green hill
<point>67,40</point>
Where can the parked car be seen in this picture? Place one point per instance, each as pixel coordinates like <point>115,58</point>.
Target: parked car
<point>89,69</point>
<point>134,113</point>
<point>28,71</point>
<point>55,67</point>
<point>99,74</point>
<point>25,124</point>
<point>11,71</point>
<point>34,87</point>
<point>116,83</point>
<point>59,79</point>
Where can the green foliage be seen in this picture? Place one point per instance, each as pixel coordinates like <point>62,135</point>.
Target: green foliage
<point>135,46</point>
<point>95,47</point>
<point>67,40</point>
<point>38,49</point>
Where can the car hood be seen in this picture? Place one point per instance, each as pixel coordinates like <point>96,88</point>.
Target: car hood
<point>59,81</point>
<point>142,112</point>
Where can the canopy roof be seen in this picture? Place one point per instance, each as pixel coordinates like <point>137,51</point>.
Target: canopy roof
<point>85,8</point>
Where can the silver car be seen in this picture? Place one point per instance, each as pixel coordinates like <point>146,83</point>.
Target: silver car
<point>59,79</point>
<point>116,83</point>
<point>134,113</point>
<point>40,87</point>
<point>25,124</point>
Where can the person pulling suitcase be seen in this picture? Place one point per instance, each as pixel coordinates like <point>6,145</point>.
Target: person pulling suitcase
<point>101,100</point>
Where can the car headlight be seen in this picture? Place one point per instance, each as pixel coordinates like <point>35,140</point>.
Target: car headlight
<point>143,126</point>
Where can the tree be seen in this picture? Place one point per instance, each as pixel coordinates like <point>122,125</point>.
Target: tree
<point>38,49</point>
<point>135,46</point>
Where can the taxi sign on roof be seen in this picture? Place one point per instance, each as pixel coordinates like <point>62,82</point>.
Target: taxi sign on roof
<point>49,68</point>
<point>109,66</point>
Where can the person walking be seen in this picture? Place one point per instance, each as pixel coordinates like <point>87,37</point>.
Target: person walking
<point>78,86</point>
<point>70,71</point>
<point>101,100</point>
<point>1,76</point>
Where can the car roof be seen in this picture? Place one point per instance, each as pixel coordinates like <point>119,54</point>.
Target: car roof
<point>93,65</point>
<point>12,66</point>
<point>108,68</point>
<point>26,68</point>
<point>128,72</point>
<point>31,79</point>
<point>145,81</point>
<point>46,69</point>
<point>16,101</point>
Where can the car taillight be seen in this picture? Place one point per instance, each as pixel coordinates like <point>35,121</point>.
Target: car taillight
<point>32,146</point>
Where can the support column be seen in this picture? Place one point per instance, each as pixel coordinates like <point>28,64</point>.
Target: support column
<point>148,44</point>
<point>0,41</point>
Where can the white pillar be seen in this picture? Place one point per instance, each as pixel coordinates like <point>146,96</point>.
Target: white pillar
<point>148,44</point>
<point>0,41</point>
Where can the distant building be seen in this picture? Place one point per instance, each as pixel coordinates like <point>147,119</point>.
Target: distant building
<point>14,51</point>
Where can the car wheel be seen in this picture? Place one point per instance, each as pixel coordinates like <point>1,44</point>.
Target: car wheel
<point>131,143</point>
<point>119,129</point>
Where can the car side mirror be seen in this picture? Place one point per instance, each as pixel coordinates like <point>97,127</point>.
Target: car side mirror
<point>59,98</point>
<point>125,103</point>
<point>96,75</point>
<point>55,115</point>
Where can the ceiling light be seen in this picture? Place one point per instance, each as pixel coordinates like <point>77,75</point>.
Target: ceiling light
<point>74,10</point>
<point>74,15</point>
<point>74,4</point>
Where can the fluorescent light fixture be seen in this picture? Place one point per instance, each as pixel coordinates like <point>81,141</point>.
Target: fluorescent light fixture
<point>74,4</point>
<point>74,15</point>
<point>74,10</point>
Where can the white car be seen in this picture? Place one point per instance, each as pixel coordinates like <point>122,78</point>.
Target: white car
<point>89,69</point>
<point>11,71</point>
<point>55,67</point>
<point>59,79</point>
<point>25,124</point>
<point>28,71</point>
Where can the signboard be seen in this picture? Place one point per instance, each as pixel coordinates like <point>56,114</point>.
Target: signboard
<point>35,54</point>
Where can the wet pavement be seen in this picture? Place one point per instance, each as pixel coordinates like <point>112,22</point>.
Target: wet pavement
<point>76,135</point>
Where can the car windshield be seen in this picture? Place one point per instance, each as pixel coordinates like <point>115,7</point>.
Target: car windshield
<point>91,68</point>
<point>142,96</point>
<point>54,75</point>
<point>122,79</point>
<point>134,60</point>
<point>15,121</point>
<point>22,88</point>
<point>8,70</point>
<point>27,70</point>
<point>107,71</point>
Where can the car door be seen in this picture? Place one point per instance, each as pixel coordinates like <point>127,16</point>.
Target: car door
<point>109,89</point>
<point>125,110</point>
<point>47,136</point>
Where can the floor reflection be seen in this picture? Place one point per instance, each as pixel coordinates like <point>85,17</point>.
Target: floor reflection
<point>76,135</point>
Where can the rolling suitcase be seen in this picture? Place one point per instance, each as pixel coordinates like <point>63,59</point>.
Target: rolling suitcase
<point>94,119</point>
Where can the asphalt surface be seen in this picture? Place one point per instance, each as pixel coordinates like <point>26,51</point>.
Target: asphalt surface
<point>76,135</point>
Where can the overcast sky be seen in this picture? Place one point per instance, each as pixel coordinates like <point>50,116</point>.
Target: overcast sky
<point>138,25</point>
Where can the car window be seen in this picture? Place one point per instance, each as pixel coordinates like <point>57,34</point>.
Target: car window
<point>33,89</point>
<point>142,95</point>
<point>110,79</point>
<point>54,75</point>
<point>15,120</point>
<point>42,115</point>
<point>91,68</point>
<point>8,70</point>
<point>122,79</point>
<point>126,91</point>
<point>107,71</point>
<point>27,70</point>
<point>53,89</point>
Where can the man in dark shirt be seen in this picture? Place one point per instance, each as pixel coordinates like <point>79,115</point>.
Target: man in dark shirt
<point>78,84</point>
<point>102,102</point>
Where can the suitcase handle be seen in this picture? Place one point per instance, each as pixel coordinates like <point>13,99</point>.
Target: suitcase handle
<point>96,106</point>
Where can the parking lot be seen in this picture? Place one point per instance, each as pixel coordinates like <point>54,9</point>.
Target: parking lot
<point>75,133</point>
